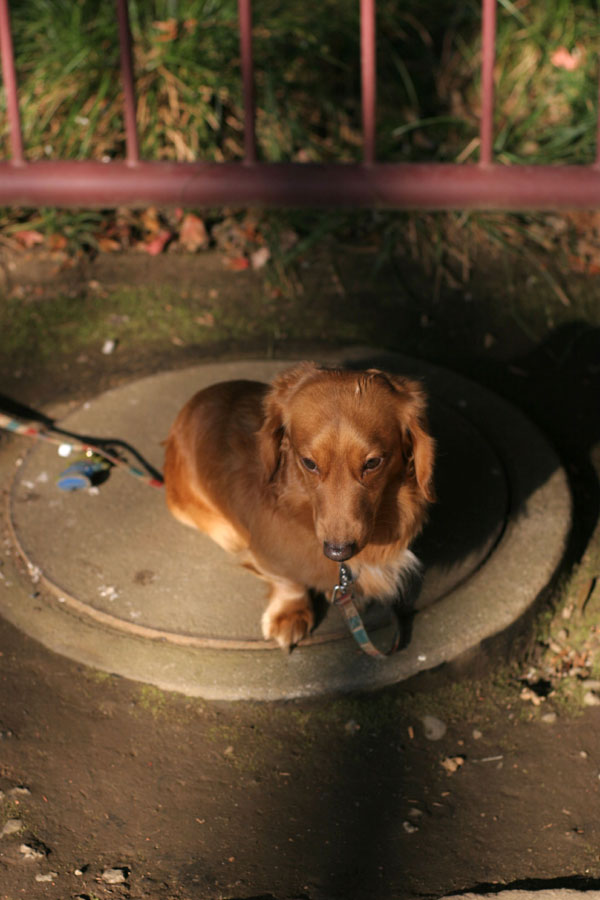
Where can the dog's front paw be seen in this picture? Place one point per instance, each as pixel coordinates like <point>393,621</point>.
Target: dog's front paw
<point>288,623</point>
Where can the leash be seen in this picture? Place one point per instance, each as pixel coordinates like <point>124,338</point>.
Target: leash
<point>69,443</point>
<point>343,598</point>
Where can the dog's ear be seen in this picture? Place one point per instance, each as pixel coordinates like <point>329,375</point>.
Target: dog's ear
<point>419,445</point>
<point>272,440</point>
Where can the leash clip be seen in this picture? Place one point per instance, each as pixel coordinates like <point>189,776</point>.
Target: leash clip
<point>342,591</point>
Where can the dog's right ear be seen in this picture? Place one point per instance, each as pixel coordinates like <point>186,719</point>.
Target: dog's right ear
<point>272,439</point>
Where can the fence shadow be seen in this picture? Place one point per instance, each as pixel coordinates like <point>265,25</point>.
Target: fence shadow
<point>558,386</point>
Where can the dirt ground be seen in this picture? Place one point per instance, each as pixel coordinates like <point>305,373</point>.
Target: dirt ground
<point>112,789</point>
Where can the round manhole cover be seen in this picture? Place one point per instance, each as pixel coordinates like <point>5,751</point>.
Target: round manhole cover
<point>142,595</point>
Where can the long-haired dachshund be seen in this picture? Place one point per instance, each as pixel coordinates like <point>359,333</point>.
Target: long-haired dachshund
<point>322,466</point>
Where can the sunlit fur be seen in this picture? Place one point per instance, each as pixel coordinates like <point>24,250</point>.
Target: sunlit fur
<point>234,469</point>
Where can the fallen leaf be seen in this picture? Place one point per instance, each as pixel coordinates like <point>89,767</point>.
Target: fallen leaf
<point>108,245</point>
<point>167,30</point>
<point>238,263</point>
<point>567,59</point>
<point>193,234</point>
<point>57,242</point>
<point>150,220</point>
<point>229,236</point>
<point>260,257</point>
<point>29,238</point>
<point>157,244</point>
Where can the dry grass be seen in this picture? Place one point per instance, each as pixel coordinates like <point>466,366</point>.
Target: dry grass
<point>307,80</point>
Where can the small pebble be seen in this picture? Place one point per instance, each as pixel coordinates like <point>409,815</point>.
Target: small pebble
<point>11,826</point>
<point>19,791</point>
<point>48,876</point>
<point>29,851</point>
<point>108,347</point>
<point>477,735</point>
<point>114,876</point>
<point>591,699</point>
<point>549,718</point>
<point>528,694</point>
<point>433,728</point>
<point>409,827</point>
<point>452,764</point>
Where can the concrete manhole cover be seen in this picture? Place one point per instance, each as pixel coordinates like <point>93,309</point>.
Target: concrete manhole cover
<point>131,591</point>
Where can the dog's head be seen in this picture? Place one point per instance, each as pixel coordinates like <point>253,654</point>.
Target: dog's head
<point>355,446</point>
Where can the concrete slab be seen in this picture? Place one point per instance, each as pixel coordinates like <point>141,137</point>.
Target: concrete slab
<point>131,591</point>
<point>521,894</point>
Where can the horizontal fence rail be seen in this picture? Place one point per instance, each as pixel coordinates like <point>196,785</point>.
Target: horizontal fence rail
<point>136,182</point>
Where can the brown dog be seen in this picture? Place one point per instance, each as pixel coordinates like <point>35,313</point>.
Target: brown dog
<point>324,465</point>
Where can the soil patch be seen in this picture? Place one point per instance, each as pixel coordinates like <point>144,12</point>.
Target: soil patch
<point>115,789</point>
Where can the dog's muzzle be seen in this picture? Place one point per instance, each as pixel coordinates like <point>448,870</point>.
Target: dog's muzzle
<point>339,552</point>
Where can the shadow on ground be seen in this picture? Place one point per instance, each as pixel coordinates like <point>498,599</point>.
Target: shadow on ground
<point>343,797</point>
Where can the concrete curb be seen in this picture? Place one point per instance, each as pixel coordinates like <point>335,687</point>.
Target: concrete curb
<point>542,894</point>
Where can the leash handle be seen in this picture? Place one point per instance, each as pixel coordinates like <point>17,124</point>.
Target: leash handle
<point>30,429</point>
<point>343,598</point>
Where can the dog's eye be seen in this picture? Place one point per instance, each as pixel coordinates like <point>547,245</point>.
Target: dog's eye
<point>373,463</point>
<point>309,464</point>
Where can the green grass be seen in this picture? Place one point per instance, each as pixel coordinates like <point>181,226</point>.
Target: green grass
<point>82,323</point>
<point>307,79</point>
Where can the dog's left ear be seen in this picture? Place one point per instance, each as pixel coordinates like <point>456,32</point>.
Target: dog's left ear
<point>272,441</point>
<point>419,445</point>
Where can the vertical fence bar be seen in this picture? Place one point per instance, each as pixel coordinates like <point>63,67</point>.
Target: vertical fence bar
<point>245,24</point>
<point>488,56</point>
<point>10,86</point>
<point>131,135</point>
<point>598,129</point>
<point>368,77</point>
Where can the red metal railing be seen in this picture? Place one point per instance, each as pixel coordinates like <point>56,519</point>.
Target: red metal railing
<point>10,87</point>
<point>135,182</point>
<point>127,80</point>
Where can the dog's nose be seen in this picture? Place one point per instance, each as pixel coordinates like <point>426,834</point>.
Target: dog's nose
<point>339,552</point>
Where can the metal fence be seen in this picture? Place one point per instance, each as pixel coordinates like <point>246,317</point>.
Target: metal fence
<point>137,182</point>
